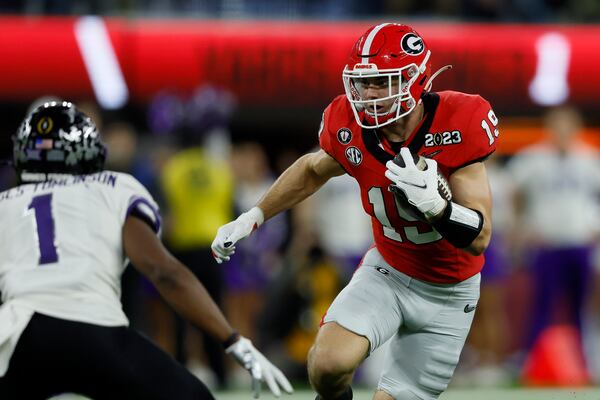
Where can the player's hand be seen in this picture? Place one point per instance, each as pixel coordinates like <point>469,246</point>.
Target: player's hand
<point>419,186</point>
<point>260,369</point>
<point>223,246</point>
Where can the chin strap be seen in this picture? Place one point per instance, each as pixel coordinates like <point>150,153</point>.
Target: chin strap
<point>427,87</point>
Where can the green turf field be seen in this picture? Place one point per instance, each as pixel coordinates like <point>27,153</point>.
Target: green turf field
<point>453,394</point>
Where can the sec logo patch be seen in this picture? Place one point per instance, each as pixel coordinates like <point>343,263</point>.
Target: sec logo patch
<point>344,135</point>
<point>354,155</point>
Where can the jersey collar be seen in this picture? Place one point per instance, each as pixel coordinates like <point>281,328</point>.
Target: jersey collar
<point>415,142</point>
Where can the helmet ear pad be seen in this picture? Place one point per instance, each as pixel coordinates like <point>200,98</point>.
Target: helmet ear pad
<point>56,138</point>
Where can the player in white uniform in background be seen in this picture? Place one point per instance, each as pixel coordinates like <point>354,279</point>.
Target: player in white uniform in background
<point>67,230</point>
<point>557,185</point>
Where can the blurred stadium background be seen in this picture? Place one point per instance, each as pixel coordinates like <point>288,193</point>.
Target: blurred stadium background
<point>205,102</point>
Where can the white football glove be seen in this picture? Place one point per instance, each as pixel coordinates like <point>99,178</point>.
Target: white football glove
<point>259,367</point>
<point>227,236</point>
<point>420,187</point>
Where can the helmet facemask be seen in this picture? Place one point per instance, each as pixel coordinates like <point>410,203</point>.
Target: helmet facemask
<point>395,86</point>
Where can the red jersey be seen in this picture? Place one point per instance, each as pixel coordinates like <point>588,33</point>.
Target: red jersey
<point>457,129</point>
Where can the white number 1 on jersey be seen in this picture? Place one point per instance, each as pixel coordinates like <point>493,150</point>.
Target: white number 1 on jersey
<point>486,127</point>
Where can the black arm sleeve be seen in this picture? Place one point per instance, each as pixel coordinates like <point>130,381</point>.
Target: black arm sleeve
<point>459,225</point>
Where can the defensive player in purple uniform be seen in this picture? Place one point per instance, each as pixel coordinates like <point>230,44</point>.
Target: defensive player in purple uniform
<point>68,229</point>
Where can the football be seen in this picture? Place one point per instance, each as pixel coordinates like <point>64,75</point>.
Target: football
<point>402,200</point>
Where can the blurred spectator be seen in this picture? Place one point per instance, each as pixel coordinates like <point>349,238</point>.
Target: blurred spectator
<point>557,186</point>
<point>298,297</point>
<point>129,152</point>
<point>342,228</point>
<point>490,336</point>
<point>198,192</point>
<point>121,140</point>
<point>486,10</point>
<point>583,11</point>
<point>423,8</point>
<point>591,329</point>
<point>65,7</point>
<point>530,10</point>
<point>11,6</point>
<point>257,258</point>
<point>515,10</point>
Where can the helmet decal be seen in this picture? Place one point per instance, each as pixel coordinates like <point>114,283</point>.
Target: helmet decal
<point>412,44</point>
<point>45,125</point>
<point>56,138</point>
<point>366,50</point>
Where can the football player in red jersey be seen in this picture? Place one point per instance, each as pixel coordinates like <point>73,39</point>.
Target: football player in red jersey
<point>419,284</point>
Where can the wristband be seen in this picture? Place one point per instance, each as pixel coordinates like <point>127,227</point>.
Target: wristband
<point>256,214</point>
<point>459,225</point>
<point>234,337</point>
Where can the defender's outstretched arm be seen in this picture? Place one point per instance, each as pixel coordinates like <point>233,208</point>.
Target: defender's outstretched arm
<point>182,290</point>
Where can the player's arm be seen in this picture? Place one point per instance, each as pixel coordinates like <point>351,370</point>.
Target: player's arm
<point>471,189</point>
<point>300,180</point>
<point>465,221</point>
<point>295,184</point>
<point>180,288</point>
<point>176,284</point>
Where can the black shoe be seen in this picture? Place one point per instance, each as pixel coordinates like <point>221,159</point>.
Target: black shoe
<point>346,396</point>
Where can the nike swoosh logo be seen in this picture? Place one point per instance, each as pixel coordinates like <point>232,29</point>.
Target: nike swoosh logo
<point>421,186</point>
<point>469,308</point>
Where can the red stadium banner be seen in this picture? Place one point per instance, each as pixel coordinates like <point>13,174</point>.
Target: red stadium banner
<point>517,67</point>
